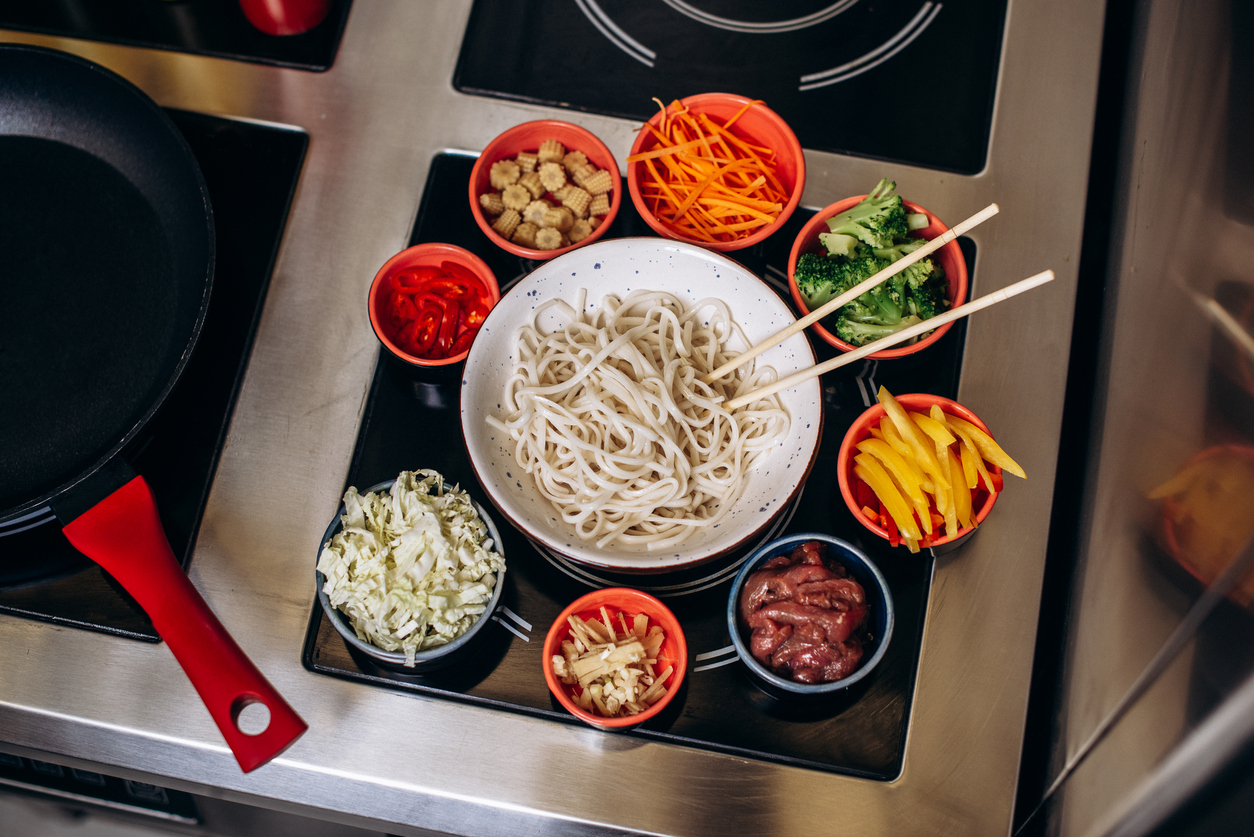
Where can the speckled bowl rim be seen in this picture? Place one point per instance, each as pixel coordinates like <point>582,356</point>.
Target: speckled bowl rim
<point>397,658</point>
<point>564,270</point>
<point>778,547</point>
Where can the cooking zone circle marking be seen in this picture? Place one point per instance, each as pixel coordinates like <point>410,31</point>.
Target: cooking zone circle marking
<point>810,81</point>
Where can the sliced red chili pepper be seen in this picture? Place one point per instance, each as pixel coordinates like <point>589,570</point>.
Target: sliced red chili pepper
<point>476,311</point>
<point>467,276</point>
<point>403,307</point>
<point>463,341</point>
<point>864,495</point>
<point>448,328</point>
<point>413,277</point>
<point>405,337</point>
<point>427,329</point>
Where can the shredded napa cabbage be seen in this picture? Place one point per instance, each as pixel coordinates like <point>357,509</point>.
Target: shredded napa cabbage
<point>412,568</point>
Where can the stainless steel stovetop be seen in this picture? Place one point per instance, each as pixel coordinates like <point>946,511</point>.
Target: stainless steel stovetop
<point>376,120</point>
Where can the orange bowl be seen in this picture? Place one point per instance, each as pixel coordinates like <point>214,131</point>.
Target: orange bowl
<point>527,137</point>
<point>423,255</point>
<point>759,125</point>
<point>673,652</point>
<point>1203,547</point>
<point>981,500</point>
<point>949,257</point>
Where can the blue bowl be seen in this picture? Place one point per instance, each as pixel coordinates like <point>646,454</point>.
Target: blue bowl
<point>431,659</point>
<point>879,622</point>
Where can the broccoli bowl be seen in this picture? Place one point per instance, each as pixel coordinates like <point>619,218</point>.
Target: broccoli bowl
<point>851,240</point>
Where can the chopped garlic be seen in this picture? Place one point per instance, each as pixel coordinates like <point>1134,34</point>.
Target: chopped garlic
<point>614,671</point>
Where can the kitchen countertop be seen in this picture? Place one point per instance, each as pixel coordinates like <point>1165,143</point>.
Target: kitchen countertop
<point>406,764</point>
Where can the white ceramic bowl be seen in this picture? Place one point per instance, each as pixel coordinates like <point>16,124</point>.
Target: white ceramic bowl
<point>619,266</point>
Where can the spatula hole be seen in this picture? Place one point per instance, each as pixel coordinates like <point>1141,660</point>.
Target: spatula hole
<point>253,718</point>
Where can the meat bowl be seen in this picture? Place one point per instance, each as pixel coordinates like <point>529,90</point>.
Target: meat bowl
<point>608,471</point>
<point>809,621</point>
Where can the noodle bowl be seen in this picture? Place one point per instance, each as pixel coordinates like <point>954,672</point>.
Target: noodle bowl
<point>548,303</point>
<point>612,421</point>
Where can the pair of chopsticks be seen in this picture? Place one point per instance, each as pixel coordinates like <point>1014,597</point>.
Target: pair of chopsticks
<point>884,342</point>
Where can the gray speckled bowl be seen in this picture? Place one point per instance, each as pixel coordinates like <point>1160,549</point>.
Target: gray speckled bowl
<point>619,266</point>
<point>433,658</point>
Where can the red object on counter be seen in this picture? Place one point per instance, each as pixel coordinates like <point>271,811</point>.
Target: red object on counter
<point>858,495</point>
<point>123,534</point>
<point>437,310</point>
<point>428,302</point>
<point>285,17</point>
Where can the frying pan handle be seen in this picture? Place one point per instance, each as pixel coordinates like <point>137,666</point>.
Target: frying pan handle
<point>122,533</point>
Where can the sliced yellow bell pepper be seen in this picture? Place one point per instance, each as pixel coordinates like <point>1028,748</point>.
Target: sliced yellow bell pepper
<point>937,430</point>
<point>988,449</point>
<point>914,437</point>
<point>970,450</point>
<point>894,440</point>
<point>904,475</point>
<point>973,467</point>
<point>962,494</point>
<point>868,469</point>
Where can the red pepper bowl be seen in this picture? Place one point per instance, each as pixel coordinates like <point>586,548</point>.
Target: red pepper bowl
<point>852,488</point>
<point>426,304</point>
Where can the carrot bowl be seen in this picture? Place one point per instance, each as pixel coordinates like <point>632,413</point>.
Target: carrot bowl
<point>716,169</point>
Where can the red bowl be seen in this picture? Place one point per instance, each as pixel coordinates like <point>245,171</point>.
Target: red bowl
<point>1205,568</point>
<point>423,255</point>
<point>759,125</point>
<point>949,256</point>
<point>527,137</point>
<point>981,501</point>
<point>673,652</point>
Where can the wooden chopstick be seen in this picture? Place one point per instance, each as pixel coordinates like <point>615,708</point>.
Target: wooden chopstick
<point>892,339</point>
<point>854,292</point>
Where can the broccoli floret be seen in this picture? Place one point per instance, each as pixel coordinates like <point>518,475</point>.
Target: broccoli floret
<point>859,334</point>
<point>896,251</point>
<point>821,278</point>
<point>818,278</point>
<point>838,244</point>
<point>877,220</point>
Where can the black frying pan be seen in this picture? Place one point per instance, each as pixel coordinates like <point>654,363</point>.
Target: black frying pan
<point>106,264</point>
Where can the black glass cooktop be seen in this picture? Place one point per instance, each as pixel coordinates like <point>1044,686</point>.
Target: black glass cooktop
<point>203,27</point>
<point>409,425</point>
<point>910,81</point>
<point>251,172</point>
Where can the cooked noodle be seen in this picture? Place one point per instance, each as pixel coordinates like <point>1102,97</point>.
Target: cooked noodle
<point>610,417</point>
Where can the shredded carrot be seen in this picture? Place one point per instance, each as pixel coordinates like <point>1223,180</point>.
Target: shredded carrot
<point>701,181</point>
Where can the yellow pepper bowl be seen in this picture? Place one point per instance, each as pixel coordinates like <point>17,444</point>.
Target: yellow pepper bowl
<point>871,477</point>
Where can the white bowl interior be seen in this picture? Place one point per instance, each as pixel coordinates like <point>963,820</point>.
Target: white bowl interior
<point>618,267</point>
